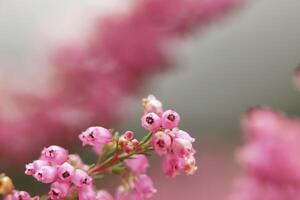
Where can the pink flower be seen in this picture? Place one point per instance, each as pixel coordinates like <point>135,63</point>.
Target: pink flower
<point>55,154</point>
<point>170,119</point>
<point>183,135</point>
<point>86,193</point>
<point>151,104</point>
<point>46,174</point>
<point>144,186</point>
<point>189,165</point>
<point>260,122</point>
<point>151,122</point>
<point>269,157</point>
<point>95,136</point>
<point>17,195</point>
<point>59,190</point>
<point>81,178</point>
<point>103,195</point>
<point>172,165</point>
<point>65,172</point>
<point>137,163</point>
<point>31,168</point>
<point>182,148</point>
<point>161,142</point>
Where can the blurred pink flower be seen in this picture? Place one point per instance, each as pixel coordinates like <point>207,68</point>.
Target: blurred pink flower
<point>270,157</point>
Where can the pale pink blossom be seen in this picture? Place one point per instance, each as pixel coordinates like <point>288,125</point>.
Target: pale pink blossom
<point>137,163</point>
<point>151,122</point>
<point>65,172</point>
<point>161,142</point>
<point>81,178</point>
<point>59,190</point>
<point>55,154</point>
<point>170,119</point>
<point>46,174</point>
<point>151,104</point>
<point>86,193</point>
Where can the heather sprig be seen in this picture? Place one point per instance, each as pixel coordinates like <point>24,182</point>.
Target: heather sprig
<point>124,155</point>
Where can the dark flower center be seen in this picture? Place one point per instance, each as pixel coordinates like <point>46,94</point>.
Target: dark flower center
<point>149,120</point>
<point>171,117</point>
<point>161,143</point>
<point>66,174</point>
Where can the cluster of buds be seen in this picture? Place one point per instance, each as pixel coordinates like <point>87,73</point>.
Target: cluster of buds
<point>66,173</point>
<point>123,155</point>
<point>168,141</point>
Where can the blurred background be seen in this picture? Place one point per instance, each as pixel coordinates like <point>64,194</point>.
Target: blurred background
<point>245,60</point>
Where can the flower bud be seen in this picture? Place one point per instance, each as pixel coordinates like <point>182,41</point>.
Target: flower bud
<point>151,104</point>
<point>95,135</point>
<point>81,178</point>
<point>6,184</point>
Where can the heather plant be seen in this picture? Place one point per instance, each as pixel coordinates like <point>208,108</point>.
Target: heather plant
<point>120,154</point>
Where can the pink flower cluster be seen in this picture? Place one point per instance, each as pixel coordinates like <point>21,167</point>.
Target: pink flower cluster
<point>169,142</point>
<point>122,155</point>
<point>92,80</point>
<point>270,157</point>
<point>68,176</point>
<point>17,195</point>
<point>66,173</point>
